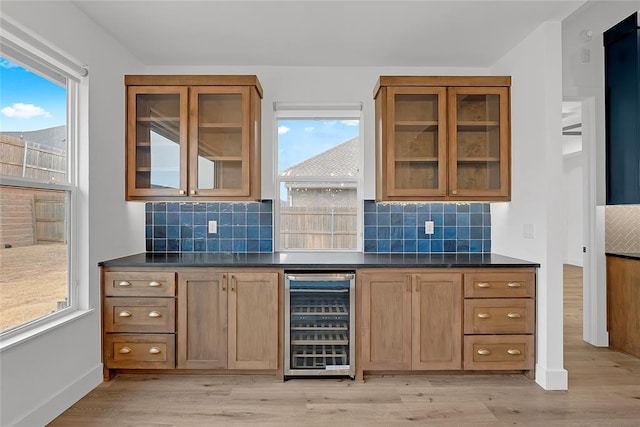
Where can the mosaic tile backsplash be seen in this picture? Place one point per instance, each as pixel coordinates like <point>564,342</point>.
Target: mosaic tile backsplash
<point>248,227</point>
<point>182,227</point>
<point>397,227</point>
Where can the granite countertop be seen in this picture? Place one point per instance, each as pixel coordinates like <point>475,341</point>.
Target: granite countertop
<point>628,255</point>
<point>315,260</point>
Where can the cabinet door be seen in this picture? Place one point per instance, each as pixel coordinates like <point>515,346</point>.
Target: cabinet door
<point>386,321</point>
<point>479,142</point>
<point>415,146</point>
<point>156,141</point>
<point>202,320</point>
<point>437,321</point>
<point>253,320</point>
<point>219,145</point>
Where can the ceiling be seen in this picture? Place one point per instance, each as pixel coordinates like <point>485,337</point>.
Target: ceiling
<point>322,32</point>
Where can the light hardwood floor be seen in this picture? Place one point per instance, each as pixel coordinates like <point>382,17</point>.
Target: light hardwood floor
<point>604,390</point>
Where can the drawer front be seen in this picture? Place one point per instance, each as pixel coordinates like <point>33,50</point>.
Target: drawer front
<point>143,284</point>
<point>502,352</point>
<point>139,314</point>
<point>499,285</point>
<point>499,316</point>
<point>140,351</point>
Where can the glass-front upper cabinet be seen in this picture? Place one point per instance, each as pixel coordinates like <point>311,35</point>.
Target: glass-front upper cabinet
<point>416,148</point>
<point>219,143</point>
<point>443,138</point>
<point>193,137</point>
<point>479,141</point>
<point>156,141</point>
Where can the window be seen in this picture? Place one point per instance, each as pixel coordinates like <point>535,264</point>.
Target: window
<point>38,108</point>
<point>318,177</point>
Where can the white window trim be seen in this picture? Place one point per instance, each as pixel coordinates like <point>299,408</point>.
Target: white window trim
<point>30,51</point>
<point>318,111</point>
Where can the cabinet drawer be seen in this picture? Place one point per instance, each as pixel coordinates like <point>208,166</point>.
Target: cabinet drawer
<point>502,352</point>
<point>499,285</point>
<point>499,316</point>
<point>156,351</point>
<point>143,284</point>
<point>139,314</point>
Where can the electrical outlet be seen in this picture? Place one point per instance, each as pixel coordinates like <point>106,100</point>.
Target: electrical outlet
<point>528,231</point>
<point>428,227</point>
<point>213,227</point>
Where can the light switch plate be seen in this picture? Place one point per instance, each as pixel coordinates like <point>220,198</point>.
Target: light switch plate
<point>213,227</point>
<point>528,231</point>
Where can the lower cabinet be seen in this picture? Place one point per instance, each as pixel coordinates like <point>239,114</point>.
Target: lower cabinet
<point>410,321</point>
<point>192,318</point>
<point>227,320</point>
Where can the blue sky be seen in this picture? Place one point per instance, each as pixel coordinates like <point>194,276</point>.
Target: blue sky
<point>301,139</point>
<point>28,101</point>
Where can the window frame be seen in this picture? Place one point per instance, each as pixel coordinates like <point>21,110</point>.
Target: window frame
<point>26,50</point>
<point>318,111</point>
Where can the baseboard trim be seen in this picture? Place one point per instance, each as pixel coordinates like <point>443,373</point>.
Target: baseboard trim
<point>63,399</point>
<point>557,379</point>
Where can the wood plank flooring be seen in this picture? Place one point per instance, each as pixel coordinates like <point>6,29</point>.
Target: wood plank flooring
<point>604,390</point>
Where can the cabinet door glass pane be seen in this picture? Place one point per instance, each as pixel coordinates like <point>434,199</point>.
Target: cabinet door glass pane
<point>220,141</point>
<point>158,141</point>
<point>478,141</point>
<point>415,148</point>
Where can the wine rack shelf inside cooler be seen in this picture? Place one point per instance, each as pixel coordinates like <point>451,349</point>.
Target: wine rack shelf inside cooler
<point>319,356</point>
<point>311,306</point>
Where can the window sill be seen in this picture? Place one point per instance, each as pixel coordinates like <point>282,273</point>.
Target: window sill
<point>19,337</point>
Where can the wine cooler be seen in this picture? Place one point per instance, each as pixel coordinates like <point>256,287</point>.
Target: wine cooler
<point>319,324</point>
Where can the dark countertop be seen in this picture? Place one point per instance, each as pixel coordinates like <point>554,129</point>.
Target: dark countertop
<point>624,255</point>
<point>315,260</point>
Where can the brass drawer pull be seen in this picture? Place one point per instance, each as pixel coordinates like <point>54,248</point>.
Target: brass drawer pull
<point>125,350</point>
<point>154,284</point>
<point>154,314</point>
<point>124,284</point>
<point>484,285</point>
<point>182,192</point>
<point>124,313</point>
<point>154,350</point>
<point>484,315</point>
<point>514,285</point>
<point>484,352</point>
<point>514,315</point>
<point>514,352</point>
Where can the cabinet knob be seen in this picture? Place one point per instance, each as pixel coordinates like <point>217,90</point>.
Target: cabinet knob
<point>154,284</point>
<point>124,284</point>
<point>514,284</point>
<point>454,191</point>
<point>193,192</point>
<point>514,352</point>
<point>182,192</point>
<point>484,352</point>
<point>154,314</point>
<point>125,350</point>
<point>484,315</point>
<point>514,315</point>
<point>154,350</point>
<point>484,285</point>
<point>124,313</point>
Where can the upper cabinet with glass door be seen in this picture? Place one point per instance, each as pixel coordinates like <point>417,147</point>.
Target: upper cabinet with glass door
<point>442,138</point>
<point>193,137</point>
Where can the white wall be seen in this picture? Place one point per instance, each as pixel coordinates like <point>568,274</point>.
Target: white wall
<point>536,122</point>
<point>46,374</point>
<point>573,209</point>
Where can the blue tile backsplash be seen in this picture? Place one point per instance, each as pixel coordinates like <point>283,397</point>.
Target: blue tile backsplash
<point>399,227</point>
<point>182,227</point>
<point>248,227</point>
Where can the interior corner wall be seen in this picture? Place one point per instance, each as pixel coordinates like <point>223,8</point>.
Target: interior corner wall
<point>43,376</point>
<point>536,124</point>
<point>573,213</point>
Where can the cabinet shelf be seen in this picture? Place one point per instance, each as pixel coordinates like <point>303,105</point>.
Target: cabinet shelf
<point>478,159</point>
<point>230,125</point>
<point>417,159</point>
<point>416,124</point>
<point>475,125</point>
